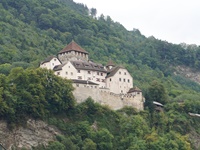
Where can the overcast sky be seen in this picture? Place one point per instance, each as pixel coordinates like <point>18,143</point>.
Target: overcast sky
<point>175,21</point>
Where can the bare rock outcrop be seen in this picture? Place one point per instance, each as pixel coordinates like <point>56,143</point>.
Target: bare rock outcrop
<point>35,133</point>
<point>189,73</point>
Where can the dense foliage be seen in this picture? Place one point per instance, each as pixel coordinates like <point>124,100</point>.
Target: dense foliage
<point>31,30</point>
<point>33,93</point>
<point>92,126</point>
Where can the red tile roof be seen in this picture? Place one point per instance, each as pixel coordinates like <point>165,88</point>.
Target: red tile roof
<point>73,46</point>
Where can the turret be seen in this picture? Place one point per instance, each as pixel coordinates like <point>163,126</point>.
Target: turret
<point>110,65</point>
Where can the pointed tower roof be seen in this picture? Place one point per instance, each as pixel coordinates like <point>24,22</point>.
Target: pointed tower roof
<point>110,63</point>
<point>73,46</point>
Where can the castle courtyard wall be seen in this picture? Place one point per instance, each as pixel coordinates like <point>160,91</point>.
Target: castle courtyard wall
<point>104,97</point>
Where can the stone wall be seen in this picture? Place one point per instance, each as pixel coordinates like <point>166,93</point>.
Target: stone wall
<point>104,97</point>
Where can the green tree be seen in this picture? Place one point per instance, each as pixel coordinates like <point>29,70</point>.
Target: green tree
<point>89,144</point>
<point>56,146</point>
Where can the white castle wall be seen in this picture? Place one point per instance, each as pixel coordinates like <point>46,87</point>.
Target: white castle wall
<point>104,97</point>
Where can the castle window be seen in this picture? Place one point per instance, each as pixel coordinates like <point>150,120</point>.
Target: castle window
<point>80,77</point>
<point>66,73</point>
<point>103,80</point>
<point>72,73</point>
<point>58,73</point>
<point>54,59</point>
<point>53,64</point>
<point>110,79</point>
<point>98,79</point>
<point>89,72</point>
<point>68,66</point>
<point>120,72</point>
<point>124,80</point>
<point>97,73</point>
<point>120,79</point>
<point>101,74</point>
<point>124,73</point>
<point>89,78</point>
<point>78,71</point>
<point>128,80</point>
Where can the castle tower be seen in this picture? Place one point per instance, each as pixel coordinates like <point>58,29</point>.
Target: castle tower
<point>72,52</point>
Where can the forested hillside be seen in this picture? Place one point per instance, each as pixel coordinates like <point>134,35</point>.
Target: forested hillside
<point>31,30</point>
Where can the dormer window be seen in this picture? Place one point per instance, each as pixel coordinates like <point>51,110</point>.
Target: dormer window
<point>120,72</point>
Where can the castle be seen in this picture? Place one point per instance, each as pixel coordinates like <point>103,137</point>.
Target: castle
<point>108,85</point>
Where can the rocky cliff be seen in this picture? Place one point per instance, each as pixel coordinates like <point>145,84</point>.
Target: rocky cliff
<point>189,73</point>
<point>34,134</point>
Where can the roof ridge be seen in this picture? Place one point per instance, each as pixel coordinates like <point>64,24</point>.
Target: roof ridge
<point>73,46</point>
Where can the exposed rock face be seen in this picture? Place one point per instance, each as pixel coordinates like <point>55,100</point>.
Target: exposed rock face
<point>36,132</point>
<point>188,73</point>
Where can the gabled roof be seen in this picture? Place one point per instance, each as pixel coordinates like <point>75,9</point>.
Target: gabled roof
<point>48,59</point>
<point>84,82</point>
<point>58,67</point>
<point>113,71</point>
<point>73,46</point>
<point>85,65</point>
<point>135,89</point>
